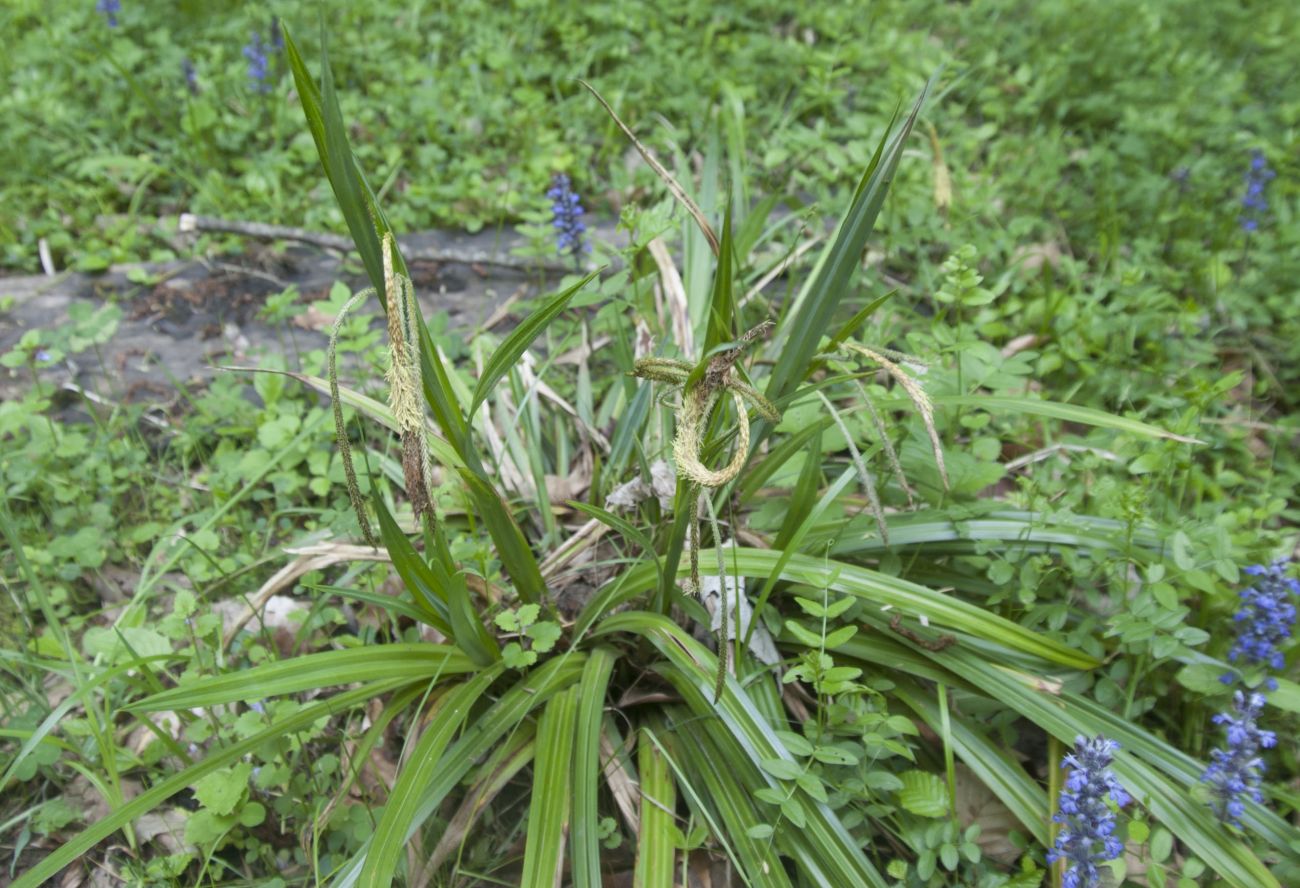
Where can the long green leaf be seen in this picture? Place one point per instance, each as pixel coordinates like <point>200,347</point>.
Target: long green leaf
<point>512,548</point>
<point>585,868</point>
<point>654,854</point>
<point>1142,765</point>
<point>480,734</point>
<point>404,800</point>
<point>804,327</point>
<point>367,224</point>
<point>51,721</point>
<point>824,847</point>
<point>442,451</point>
<point>505,356</point>
<point>320,107</point>
<point>429,595</point>
<point>804,494</point>
<point>935,531</point>
<point>146,801</point>
<point>992,764</point>
<point>401,662</point>
<point>721,325</point>
<point>609,519</point>
<point>548,806</point>
<point>878,588</point>
<point>725,805</point>
<point>1065,412</point>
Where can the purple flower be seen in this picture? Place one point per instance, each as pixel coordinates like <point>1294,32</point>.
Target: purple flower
<point>277,37</point>
<point>1087,835</point>
<point>1235,772</point>
<point>1265,618</point>
<point>191,76</point>
<point>1253,203</point>
<point>43,357</point>
<point>109,8</point>
<point>258,68</point>
<point>567,211</point>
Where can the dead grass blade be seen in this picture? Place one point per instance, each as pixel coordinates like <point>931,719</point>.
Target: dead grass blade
<point>677,191</point>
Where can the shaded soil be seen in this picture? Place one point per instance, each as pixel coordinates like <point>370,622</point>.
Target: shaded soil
<point>192,317</point>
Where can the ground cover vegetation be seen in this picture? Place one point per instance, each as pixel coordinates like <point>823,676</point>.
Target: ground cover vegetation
<point>956,554</point>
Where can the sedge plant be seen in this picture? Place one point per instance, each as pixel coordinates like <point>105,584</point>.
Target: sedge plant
<point>608,735</point>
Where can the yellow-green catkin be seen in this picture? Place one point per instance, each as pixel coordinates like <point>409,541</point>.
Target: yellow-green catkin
<point>405,386</point>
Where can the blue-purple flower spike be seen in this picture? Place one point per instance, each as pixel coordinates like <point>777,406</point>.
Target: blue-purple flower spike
<point>258,68</point>
<point>1265,619</point>
<point>567,211</point>
<point>1087,837</point>
<point>1253,202</point>
<point>1234,773</point>
<point>191,76</point>
<point>109,9</point>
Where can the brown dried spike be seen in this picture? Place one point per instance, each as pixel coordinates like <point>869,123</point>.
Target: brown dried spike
<point>413,469</point>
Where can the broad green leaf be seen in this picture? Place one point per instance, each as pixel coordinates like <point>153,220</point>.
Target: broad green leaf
<point>481,733</point>
<point>721,800</point>
<point>617,522</point>
<point>1157,775</point>
<point>880,589</point>
<point>824,849</point>
<point>804,493</point>
<point>220,791</point>
<point>722,319</point>
<point>990,762</point>
<point>923,793</point>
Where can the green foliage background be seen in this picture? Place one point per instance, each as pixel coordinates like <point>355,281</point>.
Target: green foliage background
<point>1082,274</point>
